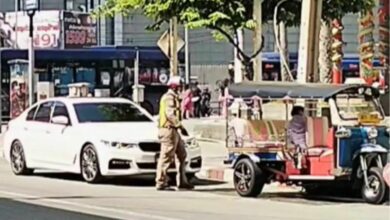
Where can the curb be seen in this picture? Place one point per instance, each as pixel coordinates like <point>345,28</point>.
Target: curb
<point>217,174</point>
<point>222,174</point>
<point>210,140</point>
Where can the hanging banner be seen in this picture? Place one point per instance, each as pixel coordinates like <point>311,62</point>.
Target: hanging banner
<point>80,30</point>
<point>47,29</point>
<point>18,87</point>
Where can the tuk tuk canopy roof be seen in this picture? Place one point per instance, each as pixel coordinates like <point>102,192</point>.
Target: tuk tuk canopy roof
<point>293,90</point>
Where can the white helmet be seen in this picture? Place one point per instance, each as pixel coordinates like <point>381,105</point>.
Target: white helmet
<point>174,81</point>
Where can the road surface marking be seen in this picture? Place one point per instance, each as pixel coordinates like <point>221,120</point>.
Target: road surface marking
<point>102,211</point>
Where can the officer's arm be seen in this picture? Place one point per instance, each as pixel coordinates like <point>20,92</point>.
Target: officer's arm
<point>170,112</point>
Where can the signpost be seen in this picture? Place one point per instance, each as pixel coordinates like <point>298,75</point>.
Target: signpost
<point>164,43</point>
<point>171,44</point>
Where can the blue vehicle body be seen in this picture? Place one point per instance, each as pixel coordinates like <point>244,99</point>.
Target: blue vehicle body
<point>359,142</point>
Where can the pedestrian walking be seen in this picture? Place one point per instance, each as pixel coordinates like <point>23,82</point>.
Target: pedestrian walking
<point>186,104</point>
<point>172,146</point>
<point>205,102</point>
<point>196,94</point>
<point>224,97</point>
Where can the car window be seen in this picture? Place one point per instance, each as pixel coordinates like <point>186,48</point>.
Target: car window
<point>43,113</point>
<point>31,113</point>
<point>60,110</point>
<point>109,112</point>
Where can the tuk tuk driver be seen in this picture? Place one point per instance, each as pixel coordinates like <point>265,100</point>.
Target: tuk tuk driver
<point>297,128</point>
<point>172,145</point>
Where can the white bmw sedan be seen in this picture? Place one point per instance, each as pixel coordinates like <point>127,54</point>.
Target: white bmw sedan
<point>94,137</point>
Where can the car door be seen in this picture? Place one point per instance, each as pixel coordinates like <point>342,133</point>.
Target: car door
<point>24,135</point>
<point>38,133</point>
<point>62,149</point>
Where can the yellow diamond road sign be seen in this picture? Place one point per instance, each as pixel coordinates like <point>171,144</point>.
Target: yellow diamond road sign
<point>164,40</point>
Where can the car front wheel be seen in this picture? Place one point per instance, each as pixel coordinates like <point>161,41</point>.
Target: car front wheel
<point>18,160</point>
<point>89,163</point>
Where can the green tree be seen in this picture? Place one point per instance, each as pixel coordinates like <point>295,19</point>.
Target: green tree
<point>225,17</point>
<point>222,17</point>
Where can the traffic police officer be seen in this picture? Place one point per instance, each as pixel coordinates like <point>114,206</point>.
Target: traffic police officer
<point>171,143</point>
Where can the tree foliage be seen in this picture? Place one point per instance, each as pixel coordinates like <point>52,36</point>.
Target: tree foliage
<point>225,17</point>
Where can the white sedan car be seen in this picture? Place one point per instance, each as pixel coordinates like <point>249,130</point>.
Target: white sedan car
<point>94,137</point>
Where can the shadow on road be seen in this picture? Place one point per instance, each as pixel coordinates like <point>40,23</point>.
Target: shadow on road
<point>14,210</point>
<point>294,197</point>
<point>139,181</point>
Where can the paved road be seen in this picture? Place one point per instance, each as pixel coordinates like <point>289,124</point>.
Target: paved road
<point>65,196</point>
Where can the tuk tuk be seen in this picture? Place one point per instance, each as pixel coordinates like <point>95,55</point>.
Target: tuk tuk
<point>347,139</point>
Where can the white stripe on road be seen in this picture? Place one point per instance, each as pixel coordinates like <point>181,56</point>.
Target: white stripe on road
<point>75,207</point>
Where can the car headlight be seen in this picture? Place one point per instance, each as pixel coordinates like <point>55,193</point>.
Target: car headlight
<point>372,133</point>
<point>119,145</point>
<point>192,143</point>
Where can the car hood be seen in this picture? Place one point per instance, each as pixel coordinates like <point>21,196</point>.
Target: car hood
<point>133,132</point>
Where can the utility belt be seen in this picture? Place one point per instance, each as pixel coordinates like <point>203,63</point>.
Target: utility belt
<point>169,127</point>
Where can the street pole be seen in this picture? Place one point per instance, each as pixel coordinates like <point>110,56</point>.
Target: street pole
<point>187,56</point>
<point>136,69</point>
<point>16,23</point>
<point>31,61</point>
<point>173,46</point>
<point>31,6</point>
<point>237,62</point>
<point>308,42</point>
<point>257,64</point>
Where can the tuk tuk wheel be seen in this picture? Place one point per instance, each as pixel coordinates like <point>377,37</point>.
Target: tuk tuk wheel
<point>248,178</point>
<point>375,191</point>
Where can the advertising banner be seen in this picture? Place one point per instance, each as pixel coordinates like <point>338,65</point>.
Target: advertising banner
<point>18,87</point>
<point>80,30</point>
<point>47,29</point>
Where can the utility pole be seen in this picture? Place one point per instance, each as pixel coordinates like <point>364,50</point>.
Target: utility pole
<point>308,42</point>
<point>187,56</point>
<point>257,64</point>
<point>173,46</point>
<point>237,62</point>
<point>31,6</point>
<point>17,3</point>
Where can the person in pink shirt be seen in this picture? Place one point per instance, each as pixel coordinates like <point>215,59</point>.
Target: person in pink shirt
<point>224,97</point>
<point>186,104</point>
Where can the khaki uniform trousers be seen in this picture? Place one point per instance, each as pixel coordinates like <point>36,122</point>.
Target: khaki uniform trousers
<point>172,149</point>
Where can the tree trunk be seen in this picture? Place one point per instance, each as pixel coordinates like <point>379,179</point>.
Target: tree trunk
<point>337,51</point>
<point>366,41</point>
<point>325,51</point>
<point>284,51</point>
<point>384,41</point>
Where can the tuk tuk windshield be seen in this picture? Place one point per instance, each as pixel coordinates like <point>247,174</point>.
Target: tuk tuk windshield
<point>350,106</point>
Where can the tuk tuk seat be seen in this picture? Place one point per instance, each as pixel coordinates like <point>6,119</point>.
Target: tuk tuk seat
<point>317,137</point>
<point>267,130</point>
<point>265,134</point>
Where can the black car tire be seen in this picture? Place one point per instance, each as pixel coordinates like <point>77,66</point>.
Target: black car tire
<point>89,160</point>
<point>377,190</point>
<point>18,160</point>
<point>248,178</point>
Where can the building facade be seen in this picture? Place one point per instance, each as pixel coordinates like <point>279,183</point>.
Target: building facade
<point>204,49</point>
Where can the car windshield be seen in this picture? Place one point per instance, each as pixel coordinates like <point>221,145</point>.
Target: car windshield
<point>109,112</point>
<point>351,106</point>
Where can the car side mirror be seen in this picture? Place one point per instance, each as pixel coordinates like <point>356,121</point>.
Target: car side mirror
<point>60,120</point>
